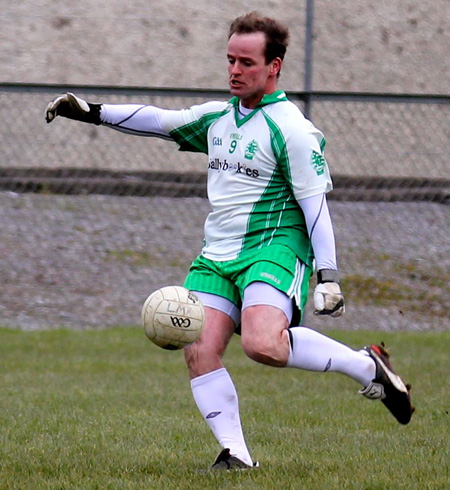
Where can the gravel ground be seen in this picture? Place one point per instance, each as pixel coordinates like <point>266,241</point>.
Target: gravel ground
<point>91,261</point>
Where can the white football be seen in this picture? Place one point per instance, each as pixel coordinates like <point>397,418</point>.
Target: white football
<point>173,317</point>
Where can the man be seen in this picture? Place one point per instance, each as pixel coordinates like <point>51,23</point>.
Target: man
<point>269,226</point>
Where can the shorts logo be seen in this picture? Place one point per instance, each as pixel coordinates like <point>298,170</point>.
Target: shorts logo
<point>318,162</point>
<point>251,150</point>
<point>271,277</point>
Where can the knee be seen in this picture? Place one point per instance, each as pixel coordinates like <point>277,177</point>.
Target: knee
<point>267,350</point>
<point>254,350</point>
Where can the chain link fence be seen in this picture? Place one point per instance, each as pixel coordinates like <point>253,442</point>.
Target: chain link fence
<point>387,148</point>
<point>94,220</point>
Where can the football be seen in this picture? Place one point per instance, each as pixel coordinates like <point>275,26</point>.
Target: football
<point>173,317</point>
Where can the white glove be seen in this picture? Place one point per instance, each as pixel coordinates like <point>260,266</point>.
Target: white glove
<point>328,299</point>
<point>72,107</point>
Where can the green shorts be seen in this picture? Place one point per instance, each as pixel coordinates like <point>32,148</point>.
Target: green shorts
<point>276,265</point>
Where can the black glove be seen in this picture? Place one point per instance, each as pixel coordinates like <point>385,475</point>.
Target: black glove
<point>72,107</point>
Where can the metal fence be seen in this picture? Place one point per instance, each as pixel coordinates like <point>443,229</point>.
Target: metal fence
<point>72,253</point>
<point>378,146</point>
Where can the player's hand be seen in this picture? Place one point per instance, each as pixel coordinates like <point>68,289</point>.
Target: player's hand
<point>72,107</point>
<point>328,298</point>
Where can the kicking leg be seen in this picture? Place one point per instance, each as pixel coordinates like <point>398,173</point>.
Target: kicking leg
<point>312,351</point>
<point>267,339</point>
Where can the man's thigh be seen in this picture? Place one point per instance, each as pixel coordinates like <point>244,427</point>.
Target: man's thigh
<point>261,293</point>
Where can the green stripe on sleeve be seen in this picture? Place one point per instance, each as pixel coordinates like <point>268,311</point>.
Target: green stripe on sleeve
<point>194,136</point>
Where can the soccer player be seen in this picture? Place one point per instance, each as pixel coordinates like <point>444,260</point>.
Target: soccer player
<point>268,229</point>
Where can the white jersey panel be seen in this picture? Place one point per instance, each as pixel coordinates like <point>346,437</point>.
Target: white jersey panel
<point>241,165</point>
<point>304,145</point>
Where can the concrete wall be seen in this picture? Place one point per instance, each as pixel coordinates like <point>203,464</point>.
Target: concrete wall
<point>380,46</point>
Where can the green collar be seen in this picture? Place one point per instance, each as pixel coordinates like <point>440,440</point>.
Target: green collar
<point>267,99</point>
<point>277,96</point>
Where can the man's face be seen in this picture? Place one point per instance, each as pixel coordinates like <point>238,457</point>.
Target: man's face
<point>249,75</point>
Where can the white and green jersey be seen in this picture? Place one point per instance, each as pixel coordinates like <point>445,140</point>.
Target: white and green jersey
<point>259,166</point>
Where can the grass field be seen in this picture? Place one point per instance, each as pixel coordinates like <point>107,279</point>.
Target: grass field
<point>108,410</point>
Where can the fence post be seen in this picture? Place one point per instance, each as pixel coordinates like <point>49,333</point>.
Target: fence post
<point>308,56</point>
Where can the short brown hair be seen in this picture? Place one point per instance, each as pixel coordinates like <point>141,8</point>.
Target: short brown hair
<point>277,34</point>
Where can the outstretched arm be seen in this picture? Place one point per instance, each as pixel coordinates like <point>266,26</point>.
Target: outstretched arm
<point>187,127</point>
<point>130,118</point>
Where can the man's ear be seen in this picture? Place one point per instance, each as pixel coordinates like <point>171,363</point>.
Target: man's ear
<point>275,66</point>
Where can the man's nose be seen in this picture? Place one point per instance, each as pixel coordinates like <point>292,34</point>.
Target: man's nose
<point>236,68</point>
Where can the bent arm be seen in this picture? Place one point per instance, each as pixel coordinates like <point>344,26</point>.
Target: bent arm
<point>320,229</point>
<point>328,299</point>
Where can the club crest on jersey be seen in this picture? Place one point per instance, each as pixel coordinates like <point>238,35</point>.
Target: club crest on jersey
<point>318,162</point>
<point>251,150</point>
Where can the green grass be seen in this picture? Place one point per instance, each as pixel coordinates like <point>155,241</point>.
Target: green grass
<point>108,410</point>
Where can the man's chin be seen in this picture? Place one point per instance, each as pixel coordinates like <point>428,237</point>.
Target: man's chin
<point>235,89</point>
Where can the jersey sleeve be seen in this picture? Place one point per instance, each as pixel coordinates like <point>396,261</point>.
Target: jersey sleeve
<point>299,149</point>
<point>189,127</point>
<point>140,120</point>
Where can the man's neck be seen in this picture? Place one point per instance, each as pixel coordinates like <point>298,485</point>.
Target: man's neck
<point>252,102</point>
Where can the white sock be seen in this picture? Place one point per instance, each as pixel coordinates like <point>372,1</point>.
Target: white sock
<point>313,351</point>
<point>217,400</point>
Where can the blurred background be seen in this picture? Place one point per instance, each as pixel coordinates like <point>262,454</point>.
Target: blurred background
<point>92,221</point>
